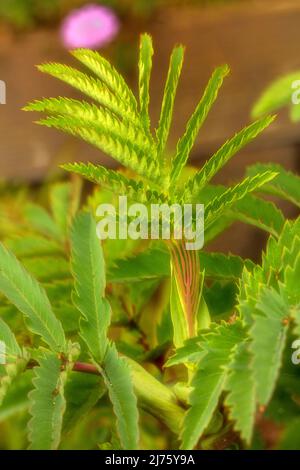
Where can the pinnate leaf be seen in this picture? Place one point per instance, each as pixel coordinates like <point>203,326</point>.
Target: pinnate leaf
<point>30,298</point>
<point>117,377</point>
<point>47,403</point>
<point>89,277</point>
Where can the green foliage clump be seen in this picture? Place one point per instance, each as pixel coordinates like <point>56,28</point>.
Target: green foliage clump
<point>115,327</point>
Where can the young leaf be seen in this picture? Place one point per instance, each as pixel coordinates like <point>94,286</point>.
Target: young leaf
<point>122,149</point>
<point>91,87</point>
<point>186,143</point>
<point>89,280</point>
<point>286,185</point>
<point>235,193</point>
<point>196,183</point>
<point>107,74</point>
<point>209,380</point>
<point>47,404</point>
<point>145,67</point>
<point>268,334</point>
<point>90,114</point>
<point>241,397</point>
<point>166,113</point>
<point>251,209</point>
<point>30,298</point>
<point>116,182</point>
<point>179,316</point>
<point>116,374</point>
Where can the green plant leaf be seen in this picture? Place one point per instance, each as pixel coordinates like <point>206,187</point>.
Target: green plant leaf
<point>209,380</point>
<point>150,264</point>
<point>145,67</point>
<point>47,404</point>
<point>41,221</point>
<point>196,183</point>
<point>82,392</point>
<point>277,95</point>
<point>295,313</point>
<point>241,392</point>
<point>89,114</point>
<point>155,263</point>
<point>235,193</point>
<point>291,283</point>
<point>107,74</point>
<point>12,360</point>
<point>178,315</point>
<point>279,258</point>
<point>15,400</point>
<point>295,112</point>
<point>89,279</point>
<point>116,182</point>
<point>92,87</point>
<point>281,253</point>
<point>28,246</point>
<point>191,351</point>
<point>117,377</point>
<point>13,350</point>
<point>60,200</point>
<point>122,149</point>
<point>286,185</point>
<point>47,268</point>
<point>186,143</point>
<point>260,213</point>
<point>30,298</point>
<point>166,113</point>
<point>223,267</point>
<point>268,334</point>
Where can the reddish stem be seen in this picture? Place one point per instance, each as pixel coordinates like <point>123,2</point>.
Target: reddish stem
<point>85,367</point>
<point>77,367</point>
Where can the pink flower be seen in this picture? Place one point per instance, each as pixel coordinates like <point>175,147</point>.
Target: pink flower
<point>89,27</point>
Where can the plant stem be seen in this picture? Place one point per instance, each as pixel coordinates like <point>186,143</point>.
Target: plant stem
<point>86,368</point>
<point>156,398</point>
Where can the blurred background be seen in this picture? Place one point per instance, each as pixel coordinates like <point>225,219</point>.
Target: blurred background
<point>259,39</point>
